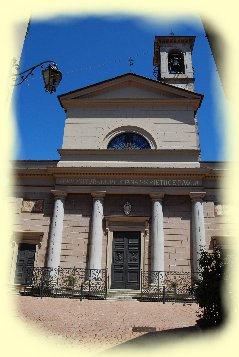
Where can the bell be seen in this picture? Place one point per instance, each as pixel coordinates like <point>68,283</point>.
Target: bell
<point>175,62</point>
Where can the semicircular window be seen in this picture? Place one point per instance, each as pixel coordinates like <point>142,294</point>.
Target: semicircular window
<point>128,141</point>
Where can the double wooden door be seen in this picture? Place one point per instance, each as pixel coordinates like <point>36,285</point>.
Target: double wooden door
<point>25,263</point>
<point>125,270</point>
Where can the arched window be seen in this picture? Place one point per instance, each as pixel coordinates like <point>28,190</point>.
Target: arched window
<point>128,141</point>
<point>176,62</point>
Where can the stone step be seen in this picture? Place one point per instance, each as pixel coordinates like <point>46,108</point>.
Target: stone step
<point>14,289</point>
<point>122,297</point>
<point>122,294</point>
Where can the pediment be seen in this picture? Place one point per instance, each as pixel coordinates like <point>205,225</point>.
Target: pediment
<point>128,91</point>
<point>128,87</point>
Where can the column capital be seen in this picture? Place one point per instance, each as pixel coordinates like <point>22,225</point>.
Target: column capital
<point>59,194</point>
<point>197,196</point>
<point>157,195</point>
<point>98,194</point>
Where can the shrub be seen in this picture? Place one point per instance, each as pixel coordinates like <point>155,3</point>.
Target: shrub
<point>208,288</point>
<point>70,281</point>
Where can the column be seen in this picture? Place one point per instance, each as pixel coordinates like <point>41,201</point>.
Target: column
<point>54,247</point>
<point>15,245</point>
<point>157,237</point>
<point>96,242</point>
<point>198,228</point>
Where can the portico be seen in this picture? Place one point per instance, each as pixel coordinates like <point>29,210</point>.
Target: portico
<point>109,217</point>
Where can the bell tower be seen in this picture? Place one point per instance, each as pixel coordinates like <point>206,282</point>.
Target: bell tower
<point>173,60</point>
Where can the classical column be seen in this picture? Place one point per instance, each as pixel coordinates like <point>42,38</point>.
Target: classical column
<point>157,237</point>
<point>198,228</point>
<point>96,242</point>
<point>54,248</point>
<point>15,245</point>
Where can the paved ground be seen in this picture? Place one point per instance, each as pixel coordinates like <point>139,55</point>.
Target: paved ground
<point>104,324</point>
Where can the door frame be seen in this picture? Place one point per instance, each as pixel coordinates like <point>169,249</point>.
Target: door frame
<point>31,237</point>
<point>125,238</point>
<point>28,247</point>
<point>124,223</point>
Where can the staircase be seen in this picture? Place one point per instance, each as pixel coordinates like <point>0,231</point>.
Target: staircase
<point>123,294</point>
<point>14,289</point>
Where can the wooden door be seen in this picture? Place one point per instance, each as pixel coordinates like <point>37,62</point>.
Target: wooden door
<point>25,263</point>
<point>126,260</point>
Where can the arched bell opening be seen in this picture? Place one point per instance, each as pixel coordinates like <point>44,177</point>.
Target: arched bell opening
<point>176,62</point>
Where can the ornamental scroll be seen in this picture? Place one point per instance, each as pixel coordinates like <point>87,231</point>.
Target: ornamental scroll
<point>32,206</point>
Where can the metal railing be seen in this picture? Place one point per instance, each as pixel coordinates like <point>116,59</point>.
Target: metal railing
<point>166,286</point>
<point>92,284</point>
<point>66,282</point>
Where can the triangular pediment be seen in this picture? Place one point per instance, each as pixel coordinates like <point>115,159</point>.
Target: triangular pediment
<point>128,90</point>
<point>128,87</point>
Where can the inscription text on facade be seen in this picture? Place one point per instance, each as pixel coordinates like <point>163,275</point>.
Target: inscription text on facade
<point>128,182</point>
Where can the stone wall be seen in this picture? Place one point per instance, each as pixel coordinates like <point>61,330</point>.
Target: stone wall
<point>76,230</point>
<point>177,222</point>
<point>217,222</point>
<point>141,205</point>
<point>77,220</point>
<point>36,222</point>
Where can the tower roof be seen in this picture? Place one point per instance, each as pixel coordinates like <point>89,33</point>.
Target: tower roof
<point>166,40</point>
<point>175,39</point>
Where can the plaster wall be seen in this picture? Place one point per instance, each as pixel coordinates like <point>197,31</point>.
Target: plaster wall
<point>166,128</point>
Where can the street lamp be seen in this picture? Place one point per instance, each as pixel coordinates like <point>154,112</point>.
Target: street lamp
<point>51,75</point>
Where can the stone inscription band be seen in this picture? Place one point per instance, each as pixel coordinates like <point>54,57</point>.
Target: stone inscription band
<point>129,182</point>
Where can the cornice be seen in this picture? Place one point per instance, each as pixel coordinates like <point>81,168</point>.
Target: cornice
<point>132,171</point>
<point>110,152</point>
<point>194,103</point>
<point>33,172</point>
<point>139,171</point>
<point>51,172</point>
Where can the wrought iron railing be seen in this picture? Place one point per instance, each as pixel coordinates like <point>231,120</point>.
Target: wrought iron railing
<point>167,286</point>
<point>92,284</point>
<point>66,282</point>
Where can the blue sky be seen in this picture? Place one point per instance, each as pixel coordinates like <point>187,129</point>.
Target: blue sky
<point>92,49</point>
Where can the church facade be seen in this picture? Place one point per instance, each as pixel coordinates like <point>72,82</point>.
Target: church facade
<point>129,192</point>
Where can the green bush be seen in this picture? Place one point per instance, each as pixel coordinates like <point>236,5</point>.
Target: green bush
<point>208,288</point>
<point>70,281</point>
